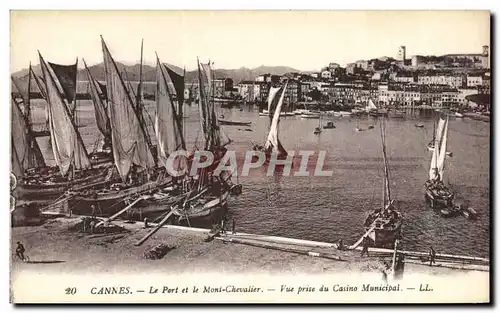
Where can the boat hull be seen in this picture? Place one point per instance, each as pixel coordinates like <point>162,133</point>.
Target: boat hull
<point>203,215</point>
<point>385,238</point>
<point>50,191</point>
<point>111,201</point>
<point>437,200</point>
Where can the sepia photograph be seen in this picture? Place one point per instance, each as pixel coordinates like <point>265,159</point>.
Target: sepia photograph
<point>250,156</point>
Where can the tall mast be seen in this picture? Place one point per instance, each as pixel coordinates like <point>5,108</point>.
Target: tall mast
<point>387,191</point>
<point>27,106</point>
<point>139,87</point>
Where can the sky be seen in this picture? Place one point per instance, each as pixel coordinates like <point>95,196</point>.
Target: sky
<point>304,40</point>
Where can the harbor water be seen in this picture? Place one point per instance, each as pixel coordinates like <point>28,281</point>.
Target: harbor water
<point>333,207</point>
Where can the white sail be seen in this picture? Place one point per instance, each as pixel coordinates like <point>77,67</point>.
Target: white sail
<point>272,138</point>
<point>273,91</point>
<point>371,105</point>
<point>438,136</point>
<point>442,150</point>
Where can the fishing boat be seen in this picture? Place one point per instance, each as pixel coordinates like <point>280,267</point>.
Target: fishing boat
<point>72,160</point>
<point>383,225</point>
<point>273,144</point>
<point>234,123</point>
<point>420,125</point>
<point>436,192</point>
<point>133,155</point>
<point>202,211</point>
<point>329,125</point>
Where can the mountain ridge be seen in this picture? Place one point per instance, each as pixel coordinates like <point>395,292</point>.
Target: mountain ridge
<point>131,72</point>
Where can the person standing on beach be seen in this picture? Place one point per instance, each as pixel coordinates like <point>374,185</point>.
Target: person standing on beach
<point>234,226</point>
<point>432,256</point>
<point>20,250</point>
<point>365,248</point>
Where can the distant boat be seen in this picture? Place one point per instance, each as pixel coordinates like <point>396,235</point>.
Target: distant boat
<point>317,130</point>
<point>329,125</point>
<point>234,123</point>
<point>419,125</point>
<point>459,114</point>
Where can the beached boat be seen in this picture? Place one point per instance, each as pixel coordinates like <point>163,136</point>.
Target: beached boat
<point>133,154</point>
<point>203,211</point>
<point>436,192</point>
<point>74,164</point>
<point>384,224</point>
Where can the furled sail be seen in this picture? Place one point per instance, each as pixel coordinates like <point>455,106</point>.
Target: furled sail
<point>25,150</point>
<point>67,144</point>
<point>168,128</point>
<point>128,135</point>
<point>273,143</point>
<point>98,98</point>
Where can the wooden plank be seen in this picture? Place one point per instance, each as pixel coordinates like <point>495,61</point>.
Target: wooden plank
<point>360,240</point>
<point>285,249</point>
<point>119,212</point>
<point>154,230</point>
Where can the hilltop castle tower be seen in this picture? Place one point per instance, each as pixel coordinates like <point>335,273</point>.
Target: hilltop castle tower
<point>401,53</point>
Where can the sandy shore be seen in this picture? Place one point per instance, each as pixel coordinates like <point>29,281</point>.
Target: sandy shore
<point>57,245</point>
<point>57,249</point>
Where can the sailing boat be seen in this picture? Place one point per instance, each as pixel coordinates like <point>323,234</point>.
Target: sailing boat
<point>317,130</point>
<point>430,145</point>
<point>273,144</point>
<point>132,149</point>
<point>383,225</point>
<point>437,193</point>
<point>99,98</point>
<point>75,169</point>
<point>206,201</point>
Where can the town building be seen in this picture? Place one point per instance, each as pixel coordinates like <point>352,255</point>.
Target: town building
<point>474,81</point>
<point>326,74</point>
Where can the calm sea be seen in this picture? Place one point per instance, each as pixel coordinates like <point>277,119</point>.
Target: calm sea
<point>329,208</point>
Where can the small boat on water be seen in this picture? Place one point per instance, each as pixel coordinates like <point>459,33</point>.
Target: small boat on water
<point>419,125</point>
<point>329,125</point>
<point>310,115</point>
<point>457,114</point>
<point>234,123</point>
<point>273,144</point>
<point>317,130</point>
<point>370,126</point>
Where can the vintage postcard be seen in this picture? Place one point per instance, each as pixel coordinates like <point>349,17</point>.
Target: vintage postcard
<point>250,156</point>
